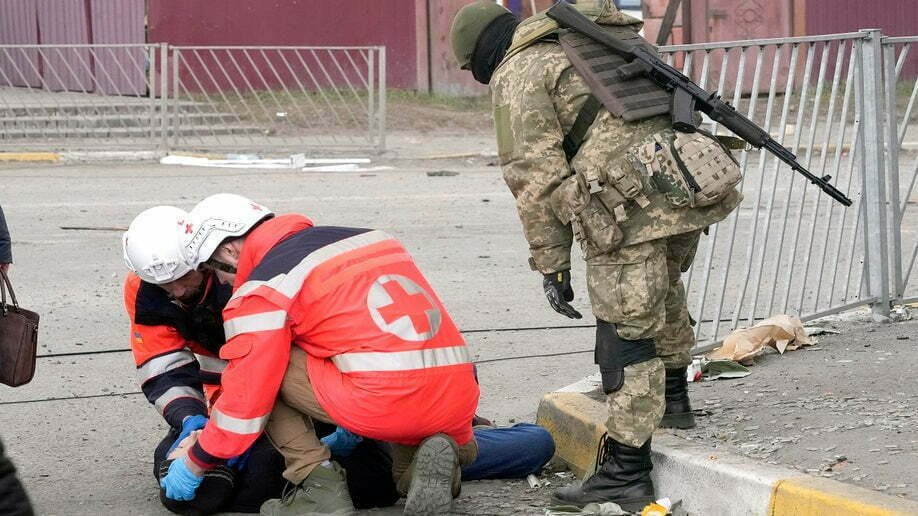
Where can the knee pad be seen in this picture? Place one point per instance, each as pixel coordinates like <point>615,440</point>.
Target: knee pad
<point>613,354</point>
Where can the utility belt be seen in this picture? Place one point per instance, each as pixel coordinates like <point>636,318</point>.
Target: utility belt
<point>690,170</point>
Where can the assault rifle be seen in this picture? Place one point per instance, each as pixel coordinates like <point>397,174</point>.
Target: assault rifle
<point>688,97</point>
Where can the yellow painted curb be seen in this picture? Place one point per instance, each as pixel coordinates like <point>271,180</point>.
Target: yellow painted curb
<point>573,420</point>
<point>44,157</point>
<point>813,496</point>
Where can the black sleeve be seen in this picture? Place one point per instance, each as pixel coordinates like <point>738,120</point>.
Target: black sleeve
<point>13,497</point>
<point>6,246</point>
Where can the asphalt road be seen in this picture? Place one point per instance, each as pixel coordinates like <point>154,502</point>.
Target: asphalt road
<point>82,436</point>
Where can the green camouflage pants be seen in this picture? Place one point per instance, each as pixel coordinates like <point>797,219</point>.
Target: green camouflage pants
<point>639,289</point>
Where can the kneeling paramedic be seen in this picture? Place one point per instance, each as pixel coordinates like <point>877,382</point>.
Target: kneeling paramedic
<point>590,155</point>
<point>176,335</point>
<point>338,325</point>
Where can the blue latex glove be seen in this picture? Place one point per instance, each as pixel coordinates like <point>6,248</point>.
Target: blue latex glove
<point>190,424</point>
<point>341,442</point>
<point>180,483</point>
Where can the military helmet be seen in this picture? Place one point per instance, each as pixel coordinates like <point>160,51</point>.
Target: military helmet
<point>468,25</point>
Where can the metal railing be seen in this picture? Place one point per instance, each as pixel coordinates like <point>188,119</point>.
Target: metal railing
<point>840,102</point>
<point>789,248</point>
<point>76,97</point>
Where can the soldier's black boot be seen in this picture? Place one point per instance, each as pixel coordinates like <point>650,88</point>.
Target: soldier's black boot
<point>622,477</point>
<point>678,412</point>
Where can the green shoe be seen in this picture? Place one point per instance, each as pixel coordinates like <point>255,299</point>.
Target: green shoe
<point>433,474</point>
<point>324,491</point>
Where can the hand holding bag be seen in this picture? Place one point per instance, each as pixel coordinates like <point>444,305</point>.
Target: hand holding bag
<point>18,338</point>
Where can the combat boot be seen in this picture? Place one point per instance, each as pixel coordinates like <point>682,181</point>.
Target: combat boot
<point>622,477</point>
<point>678,412</point>
<point>324,491</point>
<point>434,477</point>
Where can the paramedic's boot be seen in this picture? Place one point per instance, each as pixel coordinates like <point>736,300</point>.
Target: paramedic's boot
<point>678,412</point>
<point>324,491</point>
<point>435,477</point>
<point>622,477</point>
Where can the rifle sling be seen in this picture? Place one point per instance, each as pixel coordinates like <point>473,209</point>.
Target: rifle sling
<point>574,138</point>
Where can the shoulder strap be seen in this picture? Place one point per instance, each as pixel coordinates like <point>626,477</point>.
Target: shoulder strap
<point>574,138</point>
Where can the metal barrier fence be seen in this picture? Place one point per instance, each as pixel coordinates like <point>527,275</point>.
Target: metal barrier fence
<point>79,97</point>
<point>840,102</point>
<point>790,248</point>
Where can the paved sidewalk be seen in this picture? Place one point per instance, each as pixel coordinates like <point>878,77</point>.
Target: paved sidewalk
<point>845,409</point>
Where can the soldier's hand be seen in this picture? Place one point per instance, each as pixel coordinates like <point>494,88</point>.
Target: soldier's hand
<point>557,286</point>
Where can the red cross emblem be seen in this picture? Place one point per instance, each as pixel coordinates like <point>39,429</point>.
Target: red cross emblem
<point>400,306</point>
<point>415,306</point>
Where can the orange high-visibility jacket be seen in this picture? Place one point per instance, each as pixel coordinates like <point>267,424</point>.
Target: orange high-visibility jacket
<point>175,347</point>
<point>384,357</point>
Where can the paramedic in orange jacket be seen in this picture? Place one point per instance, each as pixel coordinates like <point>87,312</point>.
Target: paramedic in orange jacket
<point>340,325</point>
<point>176,335</point>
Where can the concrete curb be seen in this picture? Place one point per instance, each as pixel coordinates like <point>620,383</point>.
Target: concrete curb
<point>708,482</point>
<point>79,156</point>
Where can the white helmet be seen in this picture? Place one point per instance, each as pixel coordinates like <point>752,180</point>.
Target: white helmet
<point>154,244</point>
<point>217,218</point>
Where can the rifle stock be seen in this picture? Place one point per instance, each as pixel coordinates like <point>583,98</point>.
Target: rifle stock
<point>688,96</point>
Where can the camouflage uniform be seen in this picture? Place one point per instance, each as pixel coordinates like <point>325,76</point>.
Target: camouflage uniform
<point>537,95</point>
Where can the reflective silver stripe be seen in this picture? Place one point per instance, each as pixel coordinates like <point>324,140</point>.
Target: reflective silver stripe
<point>175,393</point>
<point>237,425</point>
<point>401,360</point>
<point>211,364</point>
<point>162,364</point>
<point>249,286</point>
<point>256,322</point>
<point>290,283</point>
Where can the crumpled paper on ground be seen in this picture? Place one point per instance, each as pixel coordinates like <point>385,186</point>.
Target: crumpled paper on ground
<point>781,332</point>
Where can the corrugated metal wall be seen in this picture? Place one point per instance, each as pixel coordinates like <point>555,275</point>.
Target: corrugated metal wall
<point>893,17</point>
<point>65,22</point>
<point>119,70</point>
<point>73,22</point>
<point>445,76</point>
<point>19,26</point>
<point>295,22</point>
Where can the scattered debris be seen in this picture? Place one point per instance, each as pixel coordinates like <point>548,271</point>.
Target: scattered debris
<point>591,509</point>
<point>293,162</point>
<point>535,482</point>
<point>819,330</point>
<point>442,173</point>
<point>714,369</point>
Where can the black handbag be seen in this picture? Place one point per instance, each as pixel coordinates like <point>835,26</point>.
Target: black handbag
<point>18,338</point>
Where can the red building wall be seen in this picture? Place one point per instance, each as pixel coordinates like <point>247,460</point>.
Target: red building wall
<point>391,24</point>
<point>893,17</point>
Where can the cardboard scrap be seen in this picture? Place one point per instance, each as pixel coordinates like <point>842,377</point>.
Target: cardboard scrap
<point>781,332</point>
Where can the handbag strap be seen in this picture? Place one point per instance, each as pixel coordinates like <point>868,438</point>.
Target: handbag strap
<point>4,285</point>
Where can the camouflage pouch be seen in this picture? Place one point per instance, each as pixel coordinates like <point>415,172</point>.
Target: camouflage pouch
<point>689,169</point>
<point>592,222</point>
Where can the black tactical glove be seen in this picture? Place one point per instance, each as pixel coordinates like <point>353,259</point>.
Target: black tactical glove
<point>558,290</point>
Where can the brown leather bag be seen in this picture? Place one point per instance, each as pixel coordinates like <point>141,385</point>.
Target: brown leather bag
<point>18,338</point>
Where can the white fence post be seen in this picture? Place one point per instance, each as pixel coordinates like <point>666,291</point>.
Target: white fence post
<point>874,172</point>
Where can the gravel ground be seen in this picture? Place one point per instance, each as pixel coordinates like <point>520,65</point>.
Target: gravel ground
<point>846,408</point>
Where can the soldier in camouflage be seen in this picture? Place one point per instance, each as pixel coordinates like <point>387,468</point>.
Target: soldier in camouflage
<point>636,242</point>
